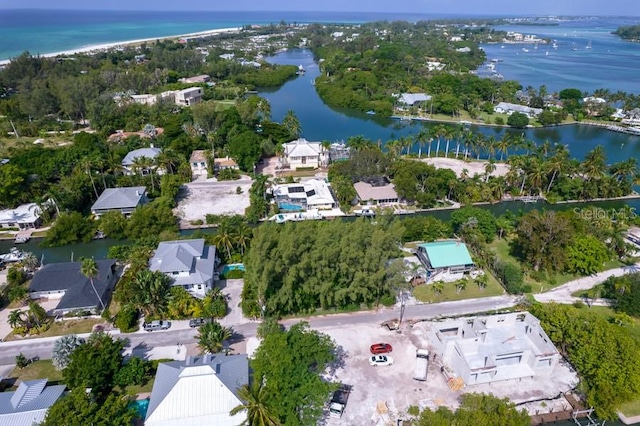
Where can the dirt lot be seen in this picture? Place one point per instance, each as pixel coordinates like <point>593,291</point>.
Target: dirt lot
<point>395,385</point>
<point>472,167</point>
<point>198,198</point>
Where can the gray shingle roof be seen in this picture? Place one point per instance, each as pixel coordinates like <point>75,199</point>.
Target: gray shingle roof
<point>119,198</point>
<point>190,256</point>
<point>29,403</point>
<point>142,152</point>
<point>231,370</point>
<point>78,291</point>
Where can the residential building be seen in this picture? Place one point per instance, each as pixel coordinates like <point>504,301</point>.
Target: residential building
<point>129,163</point>
<point>121,135</point>
<point>489,349</point>
<point>311,194</point>
<point>377,192</point>
<point>450,257</point>
<point>66,282</point>
<point>223,163</point>
<point>195,79</point>
<point>198,391</point>
<point>188,97</point>
<point>28,405</point>
<point>123,200</point>
<point>198,163</point>
<point>463,49</point>
<point>190,263</point>
<point>22,217</point>
<point>508,108</point>
<point>4,161</point>
<point>339,152</point>
<point>302,154</point>
<point>411,99</point>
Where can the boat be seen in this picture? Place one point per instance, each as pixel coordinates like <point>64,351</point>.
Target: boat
<point>589,45</point>
<point>494,60</point>
<point>524,49</point>
<point>371,112</point>
<point>365,212</point>
<point>14,255</point>
<point>555,44</point>
<point>312,214</point>
<point>574,48</point>
<point>301,70</point>
<point>99,235</point>
<point>502,47</point>
<point>21,239</point>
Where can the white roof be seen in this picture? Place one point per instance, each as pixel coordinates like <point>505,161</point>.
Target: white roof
<point>198,391</point>
<point>506,106</point>
<point>138,153</point>
<point>593,99</point>
<point>315,191</point>
<point>302,148</point>
<point>26,213</point>
<point>412,98</point>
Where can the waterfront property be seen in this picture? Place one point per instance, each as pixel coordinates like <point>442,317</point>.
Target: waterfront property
<point>184,97</point>
<point>302,154</point>
<point>131,163</point>
<point>123,200</point>
<point>445,259</point>
<point>311,194</point>
<point>198,391</point>
<point>376,193</point>
<point>190,264</point>
<point>120,135</point>
<point>23,217</point>
<point>28,405</point>
<point>198,163</point>
<point>493,348</point>
<point>339,152</point>
<point>66,282</point>
<point>188,97</point>
<point>413,99</point>
<point>508,108</point>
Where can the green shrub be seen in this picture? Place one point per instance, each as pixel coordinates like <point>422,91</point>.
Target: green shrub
<point>127,319</point>
<point>233,274</point>
<point>388,300</point>
<point>197,222</point>
<point>229,174</point>
<point>134,372</point>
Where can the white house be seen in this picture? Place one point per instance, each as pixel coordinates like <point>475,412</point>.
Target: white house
<point>311,194</point>
<point>198,163</point>
<point>411,99</point>
<point>508,108</point>
<point>302,154</point>
<point>22,217</point>
<point>198,391</point>
<point>129,163</point>
<point>494,348</point>
<point>188,97</point>
<point>190,263</point>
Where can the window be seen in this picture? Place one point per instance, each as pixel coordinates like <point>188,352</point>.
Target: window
<point>199,286</point>
<point>195,164</point>
<point>202,164</point>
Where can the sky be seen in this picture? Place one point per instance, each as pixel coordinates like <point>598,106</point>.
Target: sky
<point>459,7</point>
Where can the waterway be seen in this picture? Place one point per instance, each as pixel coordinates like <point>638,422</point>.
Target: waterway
<point>321,122</point>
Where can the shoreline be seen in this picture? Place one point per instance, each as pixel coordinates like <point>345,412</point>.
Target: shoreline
<point>96,48</point>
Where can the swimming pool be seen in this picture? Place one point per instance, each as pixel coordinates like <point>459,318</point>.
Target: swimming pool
<point>289,207</point>
<point>141,407</point>
<point>232,267</point>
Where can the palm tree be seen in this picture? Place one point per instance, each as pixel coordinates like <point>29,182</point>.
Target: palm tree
<point>557,163</point>
<point>15,318</point>
<point>224,238</point>
<point>30,262</point>
<point>89,268</point>
<point>438,287</point>
<point>421,138</point>
<point>490,146</point>
<point>594,164</point>
<point>461,285</point>
<point>255,400</point>
<point>448,135</point>
<point>292,124</point>
<point>503,147</point>
<point>152,289</point>
<point>36,313</point>
<point>87,166</point>
<point>211,337</point>
<point>482,281</point>
<point>243,236</point>
<point>489,168</point>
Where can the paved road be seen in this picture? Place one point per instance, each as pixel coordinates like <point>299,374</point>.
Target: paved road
<point>43,347</point>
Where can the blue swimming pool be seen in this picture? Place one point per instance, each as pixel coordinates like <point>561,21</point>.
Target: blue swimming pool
<point>288,207</point>
<point>141,406</point>
<point>232,267</point>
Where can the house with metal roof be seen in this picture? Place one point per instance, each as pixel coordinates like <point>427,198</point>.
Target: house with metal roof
<point>411,99</point>
<point>508,108</point>
<point>123,200</point>
<point>28,404</point>
<point>22,217</point>
<point>198,391</point>
<point>450,257</point>
<point>302,154</point>
<point>190,264</point>
<point>64,281</point>
<point>494,348</point>
<point>129,162</point>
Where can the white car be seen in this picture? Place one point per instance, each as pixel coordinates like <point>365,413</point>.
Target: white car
<point>377,360</point>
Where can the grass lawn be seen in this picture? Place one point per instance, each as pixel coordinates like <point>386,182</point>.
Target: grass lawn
<point>39,234</point>
<point>135,390</point>
<point>425,292</point>
<point>630,408</point>
<point>60,328</point>
<point>37,370</point>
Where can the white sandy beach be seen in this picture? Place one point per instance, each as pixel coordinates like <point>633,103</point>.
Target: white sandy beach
<point>473,167</point>
<point>101,47</point>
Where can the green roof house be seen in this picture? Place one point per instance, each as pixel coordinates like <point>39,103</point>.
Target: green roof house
<point>451,257</point>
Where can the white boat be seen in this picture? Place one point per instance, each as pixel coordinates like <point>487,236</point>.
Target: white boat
<point>312,214</point>
<point>21,239</point>
<point>14,255</point>
<point>524,49</point>
<point>589,45</point>
<point>365,212</point>
<point>301,70</point>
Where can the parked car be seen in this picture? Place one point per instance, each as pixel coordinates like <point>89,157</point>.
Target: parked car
<point>339,401</point>
<point>377,360</point>
<point>422,365</point>
<point>381,348</point>
<point>197,322</point>
<point>156,325</point>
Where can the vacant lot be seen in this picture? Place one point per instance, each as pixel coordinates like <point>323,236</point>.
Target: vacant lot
<point>472,167</point>
<point>197,199</point>
<point>395,385</point>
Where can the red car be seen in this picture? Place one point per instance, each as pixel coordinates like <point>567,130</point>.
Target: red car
<point>381,348</point>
